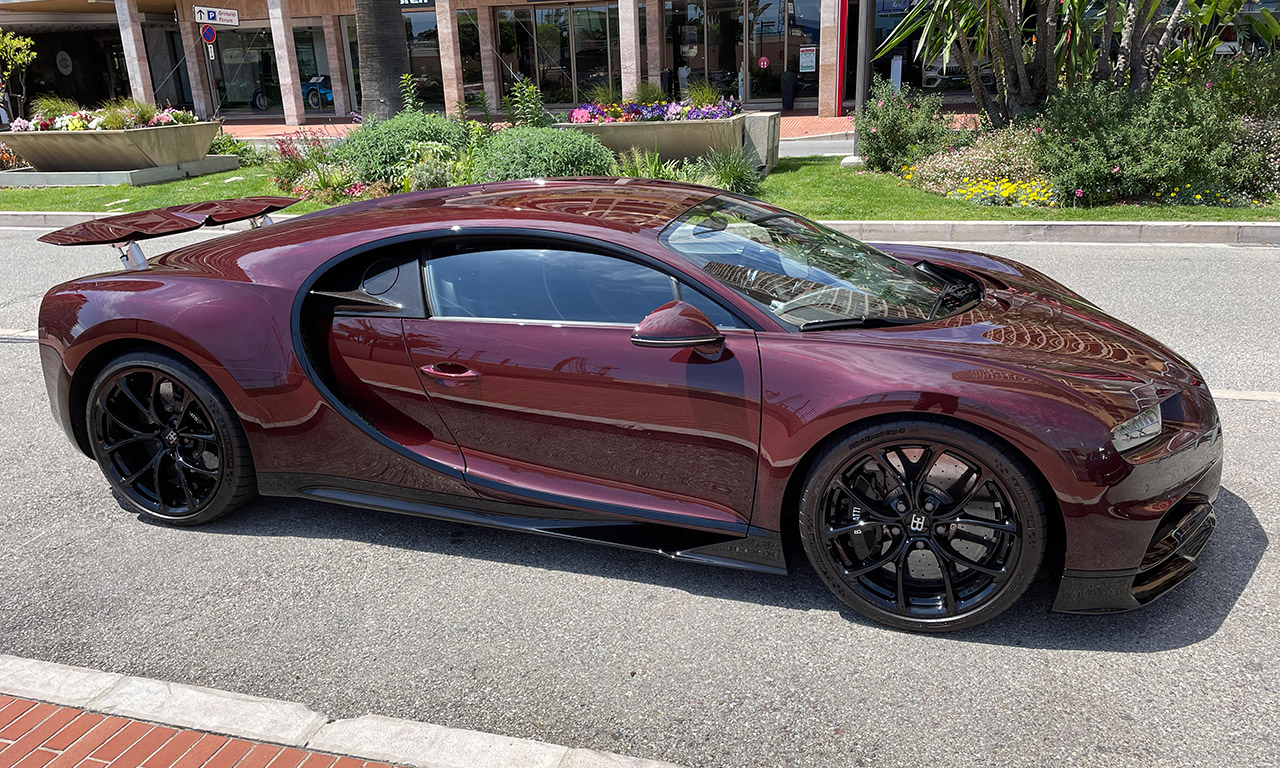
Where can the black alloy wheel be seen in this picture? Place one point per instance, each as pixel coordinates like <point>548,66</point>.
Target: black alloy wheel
<point>923,525</point>
<point>167,442</point>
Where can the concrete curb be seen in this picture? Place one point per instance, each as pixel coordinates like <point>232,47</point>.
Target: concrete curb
<point>1062,231</point>
<point>1229,232</point>
<point>371,737</point>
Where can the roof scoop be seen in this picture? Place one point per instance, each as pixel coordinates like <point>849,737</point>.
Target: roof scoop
<point>122,232</point>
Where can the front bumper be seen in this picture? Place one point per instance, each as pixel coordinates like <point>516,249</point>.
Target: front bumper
<point>1170,558</point>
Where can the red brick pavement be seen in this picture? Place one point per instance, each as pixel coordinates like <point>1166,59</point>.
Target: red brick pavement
<point>37,735</point>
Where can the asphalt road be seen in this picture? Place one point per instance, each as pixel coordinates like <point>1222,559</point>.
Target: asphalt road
<point>356,612</point>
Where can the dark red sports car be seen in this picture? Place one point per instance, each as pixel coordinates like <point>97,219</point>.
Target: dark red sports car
<point>648,365</point>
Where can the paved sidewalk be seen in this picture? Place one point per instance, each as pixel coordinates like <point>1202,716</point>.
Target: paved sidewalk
<point>58,716</point>
<point>38,735</point>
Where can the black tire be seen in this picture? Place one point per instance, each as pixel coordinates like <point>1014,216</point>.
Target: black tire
<point>314,100</point>
<point>167,440</point>
<point>967,519</point>
<point>260,102</point>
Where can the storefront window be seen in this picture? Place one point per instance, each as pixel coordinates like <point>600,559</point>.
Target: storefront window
<point>803,25</point>
<point>313,69</point>
<point>724,43</point>
<point>424,57</point>
<point>591,49</point>
<point>555,67</point>
<point>244,69</point>
<point>469,48</point>
<point>516,46</point>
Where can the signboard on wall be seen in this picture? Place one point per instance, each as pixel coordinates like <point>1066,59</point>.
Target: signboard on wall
<point>225,16</point>
<point>417,3</point>
<point>808,58</point>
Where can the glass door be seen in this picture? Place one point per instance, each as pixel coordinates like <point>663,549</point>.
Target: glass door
<point>555,62</point>
<point>591,49</point>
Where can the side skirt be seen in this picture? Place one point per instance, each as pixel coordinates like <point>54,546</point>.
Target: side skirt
<point>759,550</point>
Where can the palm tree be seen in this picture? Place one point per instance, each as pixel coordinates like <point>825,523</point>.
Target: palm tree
<point>384,55</point>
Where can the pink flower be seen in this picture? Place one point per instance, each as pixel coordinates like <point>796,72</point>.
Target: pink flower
<point>1209,84</point>
<point>880,103</point>
<point>873,129</point>
<point>1079,193</point>
<point>1039,129</point>
<point>1116,169</point>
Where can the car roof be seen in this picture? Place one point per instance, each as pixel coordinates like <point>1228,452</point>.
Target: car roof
<point>621,203</point>
<point>624,211</point>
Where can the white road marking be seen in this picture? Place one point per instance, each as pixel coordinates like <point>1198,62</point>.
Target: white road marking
<point>1245,394</point>
<point>14,334</point>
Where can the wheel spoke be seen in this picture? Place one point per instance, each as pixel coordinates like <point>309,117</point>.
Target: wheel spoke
<point>122,384</point>
<point>123,425</point>
<point>117,445</point>
<point>832,533</point>
<point>959,559</point>
<point>878,563</point>
<point>194,468</point>
<point>948,589</point>
<point>133,478</point>
<point>981,522</point>
<point>958,507</point>
<point>863,502</point>
<point>184,483</point>
<point>206,437</point>
<point>155,476</point>
<point>900,594</point>
<point>882,459</point>
<point>156,381</point>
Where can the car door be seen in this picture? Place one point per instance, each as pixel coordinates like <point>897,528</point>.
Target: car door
<point>527,355</point>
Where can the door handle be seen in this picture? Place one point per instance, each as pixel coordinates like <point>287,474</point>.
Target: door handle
<point>449,371</point>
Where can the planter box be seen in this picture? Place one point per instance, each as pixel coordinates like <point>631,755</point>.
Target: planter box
<point>757,132</point>
<point>113,150</point>
<point>674,140</point>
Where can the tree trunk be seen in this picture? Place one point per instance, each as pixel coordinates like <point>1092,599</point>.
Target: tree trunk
<point>384,55</point>
<point>1011,47</point>
<point>1171,26</point>
<point>1103,68</point>
<point>1126,42</point>
<point>980,94</point>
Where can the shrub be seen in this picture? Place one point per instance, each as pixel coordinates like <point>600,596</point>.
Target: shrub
<point>603,93</point>
<point>647,93</point>
<point>376,149</point>
<point>298,154</point>
<point>641,163</point>
<point>525,152</point>
<point>1257,148</point>
<point>734,171</point>
<point>1101,144</point>
<point>1011,154</point>
<point>701,93</point>
<point>524,105</point>
<point>898,129</point>
<point>47,106</point>
<point>226,144</point>
<point>429,164</point>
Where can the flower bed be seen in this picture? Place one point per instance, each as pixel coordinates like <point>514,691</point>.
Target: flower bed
<point>105,119</point>
<point>635,112</point>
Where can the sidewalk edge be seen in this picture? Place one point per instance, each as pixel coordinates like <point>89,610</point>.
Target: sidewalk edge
<point>286,723</point>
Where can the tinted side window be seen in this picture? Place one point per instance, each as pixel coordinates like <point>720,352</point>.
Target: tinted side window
<point>544,284</point>
<point>718,315</point>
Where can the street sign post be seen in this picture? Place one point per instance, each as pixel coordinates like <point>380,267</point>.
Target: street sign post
<point>227,17</point>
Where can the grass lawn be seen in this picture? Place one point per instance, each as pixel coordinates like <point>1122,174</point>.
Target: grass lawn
<point>245,182</point>
<point>816,187</point>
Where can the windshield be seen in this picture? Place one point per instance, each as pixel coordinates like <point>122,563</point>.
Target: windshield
<point>800,271</point>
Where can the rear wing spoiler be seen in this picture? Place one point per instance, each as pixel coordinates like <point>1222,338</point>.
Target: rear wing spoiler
<point>123,231</point>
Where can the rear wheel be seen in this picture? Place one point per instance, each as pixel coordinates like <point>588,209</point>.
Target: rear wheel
<point>167,441</point>
<point>923,525</point>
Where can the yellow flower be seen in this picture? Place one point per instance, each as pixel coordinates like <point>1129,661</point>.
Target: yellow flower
<point>908,176</point>
<point>1197,197</point>
<point>1188,186</point>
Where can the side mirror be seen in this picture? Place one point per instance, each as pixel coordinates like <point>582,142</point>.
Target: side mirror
<point>676,324</point>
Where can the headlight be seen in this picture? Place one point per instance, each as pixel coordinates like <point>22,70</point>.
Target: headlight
<point>1140,429</point>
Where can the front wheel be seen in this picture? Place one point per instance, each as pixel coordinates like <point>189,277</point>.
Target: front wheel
<point>167,440</point>
<point>922,525</point>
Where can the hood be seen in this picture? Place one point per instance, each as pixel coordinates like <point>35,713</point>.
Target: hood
<point>1028,324</point>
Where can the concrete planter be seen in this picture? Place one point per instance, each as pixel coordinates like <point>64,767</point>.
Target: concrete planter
<point>690,139</point>
<point>675,140</point>
<point>129,150</point>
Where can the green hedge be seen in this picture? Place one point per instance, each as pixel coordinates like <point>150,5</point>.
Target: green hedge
<point>524,153</point>
<point>376,148</point>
